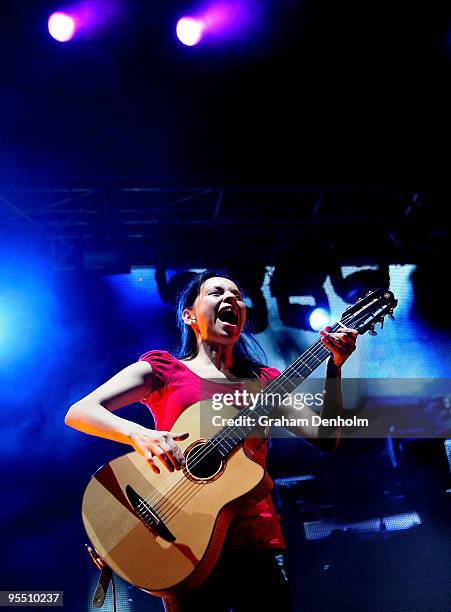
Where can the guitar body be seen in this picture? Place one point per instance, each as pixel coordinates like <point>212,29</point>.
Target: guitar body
<point>192,511</point>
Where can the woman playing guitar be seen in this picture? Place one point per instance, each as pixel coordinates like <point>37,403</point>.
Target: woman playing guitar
<point>216,346</point>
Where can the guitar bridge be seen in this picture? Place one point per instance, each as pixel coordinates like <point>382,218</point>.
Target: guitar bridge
<point>147,515</point>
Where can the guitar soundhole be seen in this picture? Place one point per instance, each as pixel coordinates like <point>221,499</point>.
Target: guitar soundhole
<point>203,461</point>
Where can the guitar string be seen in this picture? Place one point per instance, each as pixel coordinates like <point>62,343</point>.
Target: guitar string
<point>222,443</point>
<point>184,498</point>
<point>171,512</point>
<point>166,507</point>
<point>177,479</point>
<point>299,361</point>
<point>318,343</point>
<point>203,452</point>
<point>208,448</point>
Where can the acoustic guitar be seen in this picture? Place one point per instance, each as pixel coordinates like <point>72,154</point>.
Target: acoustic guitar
<point>164,532</point>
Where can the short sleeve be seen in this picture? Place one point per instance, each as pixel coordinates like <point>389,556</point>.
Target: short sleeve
<point>162,363</point>
<point>268,374</point>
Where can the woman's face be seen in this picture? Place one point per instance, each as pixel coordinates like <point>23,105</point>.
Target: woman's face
<point>219,311</point>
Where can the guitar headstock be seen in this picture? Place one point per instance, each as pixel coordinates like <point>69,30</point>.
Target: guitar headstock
<point>370,310</point>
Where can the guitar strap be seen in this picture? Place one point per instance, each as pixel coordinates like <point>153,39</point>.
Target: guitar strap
<point>106,575</point>
<point>102,586</point>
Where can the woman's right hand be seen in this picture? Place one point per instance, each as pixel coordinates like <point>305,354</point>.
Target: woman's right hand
<point>152,444</point>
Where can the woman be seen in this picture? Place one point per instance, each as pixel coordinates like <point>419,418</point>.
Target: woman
<point>217,347</point>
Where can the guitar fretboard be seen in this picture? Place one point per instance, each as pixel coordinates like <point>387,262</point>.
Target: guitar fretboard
<point>228,437</point>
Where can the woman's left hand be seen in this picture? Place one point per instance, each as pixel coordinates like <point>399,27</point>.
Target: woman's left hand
<point>340,343</point>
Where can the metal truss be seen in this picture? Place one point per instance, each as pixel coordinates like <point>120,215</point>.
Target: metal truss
<point>148,225</point>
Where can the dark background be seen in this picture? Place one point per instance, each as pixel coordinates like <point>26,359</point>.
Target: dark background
<point>317,92</point>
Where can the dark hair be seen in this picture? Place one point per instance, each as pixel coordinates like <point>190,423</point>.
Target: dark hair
<point>247,353</point>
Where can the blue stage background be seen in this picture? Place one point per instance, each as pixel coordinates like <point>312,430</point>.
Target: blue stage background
<point>61,335</point>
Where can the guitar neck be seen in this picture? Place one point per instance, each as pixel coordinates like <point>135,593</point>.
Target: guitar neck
<point>228,437</point>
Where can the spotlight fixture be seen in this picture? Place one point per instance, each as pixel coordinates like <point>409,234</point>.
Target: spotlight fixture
<point>61,26</point>
<point>301,298</point>
<point>319,318</point>
<point>357,284</point>
<point>189,31</point>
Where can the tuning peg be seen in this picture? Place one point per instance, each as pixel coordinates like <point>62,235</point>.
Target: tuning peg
<point>391,315</point>
<point>382,323</point>
<point>372,331</point>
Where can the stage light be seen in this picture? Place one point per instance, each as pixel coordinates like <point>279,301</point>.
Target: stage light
<point>301,299</point>
<point>189,31</point>
<point>319,319</point>
<point>357,284</point>
<point>220,22</point>
<point>61,26</point>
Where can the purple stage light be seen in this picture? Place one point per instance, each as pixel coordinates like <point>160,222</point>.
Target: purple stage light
<point>223,17</point>
<point>189,31</point>
<point>61,26</point>
<point>87,19</point>
<point>220,21</point>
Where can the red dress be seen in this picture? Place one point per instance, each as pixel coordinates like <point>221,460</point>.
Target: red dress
<point>174,388</point>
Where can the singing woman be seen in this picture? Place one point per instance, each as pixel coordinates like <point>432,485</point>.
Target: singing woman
<point>216,346</point>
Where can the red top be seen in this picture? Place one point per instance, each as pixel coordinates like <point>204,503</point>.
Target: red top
<point>174,388</point>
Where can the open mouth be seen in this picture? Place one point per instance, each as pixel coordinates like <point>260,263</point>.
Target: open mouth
<point>228,315</point>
